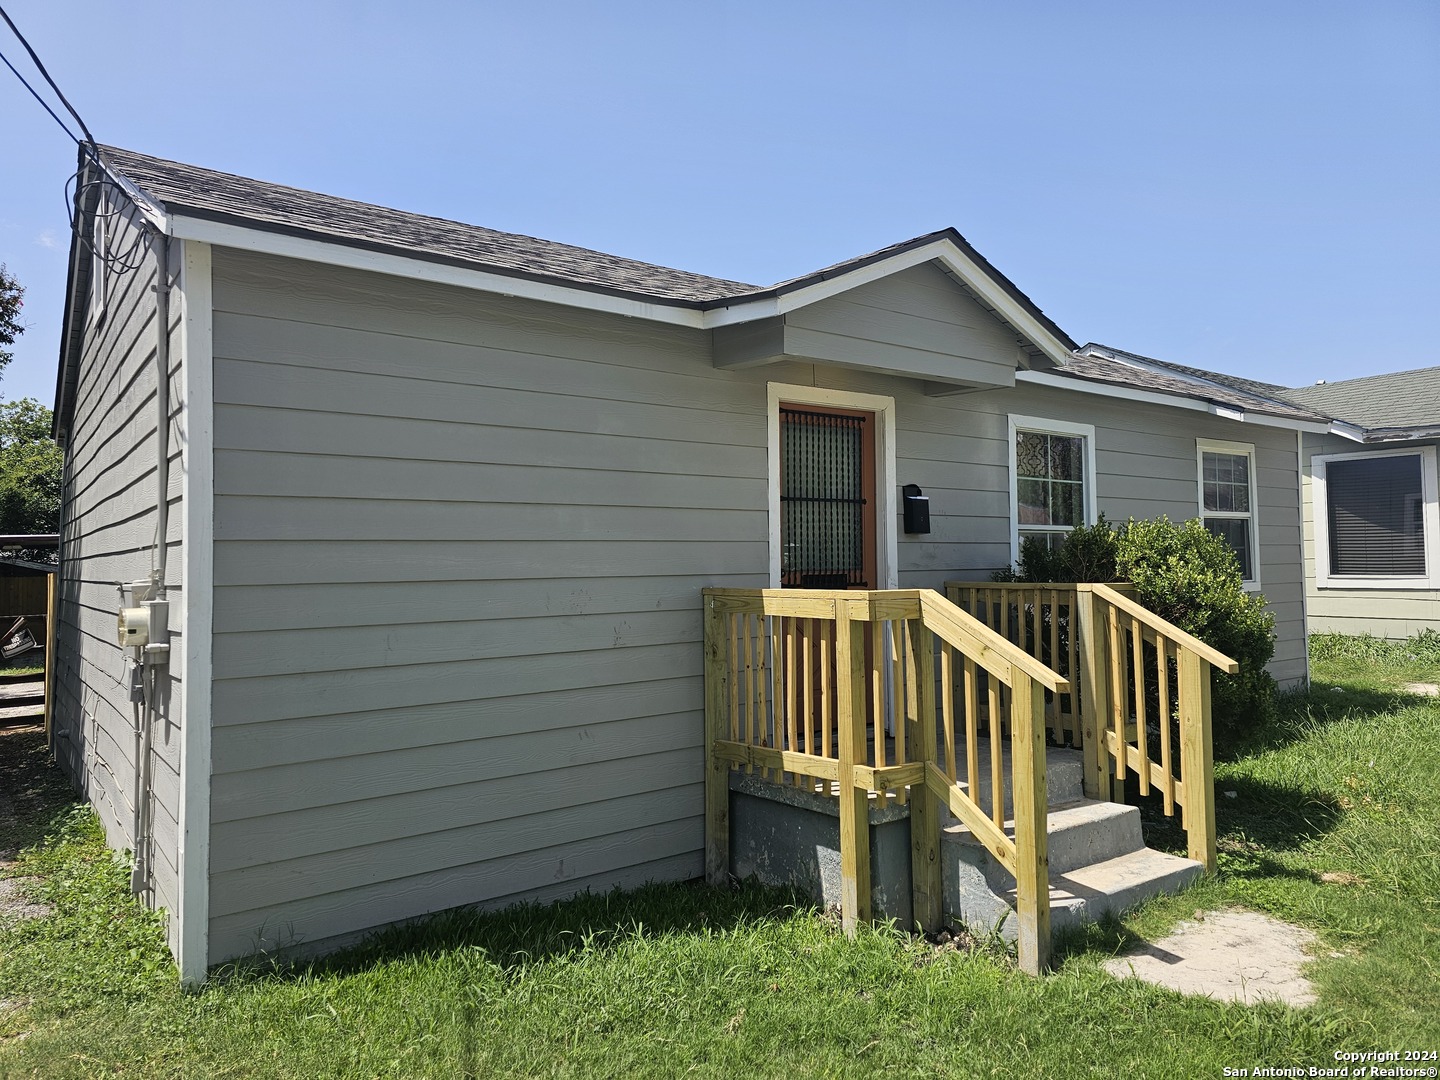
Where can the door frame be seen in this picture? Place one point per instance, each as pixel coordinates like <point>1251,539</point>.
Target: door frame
<point>886,510</point>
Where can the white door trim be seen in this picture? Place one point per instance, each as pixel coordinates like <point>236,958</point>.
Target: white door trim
<point>887,559</point>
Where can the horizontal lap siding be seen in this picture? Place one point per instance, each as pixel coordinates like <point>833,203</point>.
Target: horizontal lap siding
<point>460,543</point>
<point>1388,613</point>
<point>956,449</point>
<point>108,531</point>
<point>459,546</point>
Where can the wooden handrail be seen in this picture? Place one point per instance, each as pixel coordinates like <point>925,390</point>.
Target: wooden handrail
<point>762,714</point>
<point>1214,656</point>
<point>993,652</point>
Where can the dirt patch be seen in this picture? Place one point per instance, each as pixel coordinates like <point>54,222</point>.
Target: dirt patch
<point>1424,689</point>
<point>15,903</point>
<point>1227,955</point>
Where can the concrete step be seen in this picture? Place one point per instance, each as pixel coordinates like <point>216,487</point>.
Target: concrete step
<point>1064,776</point>
<point>982,893</point>
<point>1085,832</point>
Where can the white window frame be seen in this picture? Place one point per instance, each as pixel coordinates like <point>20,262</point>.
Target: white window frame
<point>886,513</point>
<point>1430,520</point>
<point>1236,449</point>
<point>99,245</point>
<point>1044,426</point>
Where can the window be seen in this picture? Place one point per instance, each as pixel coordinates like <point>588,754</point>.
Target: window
<point>1375,518</point>
<point>1227,500</point>
<point>1052,467</point>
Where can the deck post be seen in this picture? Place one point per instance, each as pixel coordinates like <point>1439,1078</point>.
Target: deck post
<point>926,883</point>
<point>1094,694</point>
<point>850,666</point>
<point>1197,762</point>
<point>717,769</point>
<point>1032,860</point>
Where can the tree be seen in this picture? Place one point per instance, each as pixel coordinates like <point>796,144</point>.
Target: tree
<point>31,466</point>
<point>12,298</point>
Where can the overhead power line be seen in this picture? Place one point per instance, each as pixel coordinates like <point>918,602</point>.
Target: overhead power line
<point>41,68</point>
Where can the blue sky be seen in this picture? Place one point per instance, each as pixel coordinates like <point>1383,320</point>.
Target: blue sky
<point>1249,187</point>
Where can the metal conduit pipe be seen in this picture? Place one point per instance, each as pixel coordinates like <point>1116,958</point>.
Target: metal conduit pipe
<point>150,673</point>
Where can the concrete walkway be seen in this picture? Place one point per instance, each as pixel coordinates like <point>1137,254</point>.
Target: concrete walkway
<point>1240,956</point>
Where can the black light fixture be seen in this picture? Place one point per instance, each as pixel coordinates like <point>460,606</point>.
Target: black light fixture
<point>917,509</point>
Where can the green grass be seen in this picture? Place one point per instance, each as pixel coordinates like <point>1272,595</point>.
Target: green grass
<point>1335,824</point>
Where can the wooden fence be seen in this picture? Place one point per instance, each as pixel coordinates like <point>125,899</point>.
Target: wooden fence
<point>836,691</point>
<point>1141,702</point>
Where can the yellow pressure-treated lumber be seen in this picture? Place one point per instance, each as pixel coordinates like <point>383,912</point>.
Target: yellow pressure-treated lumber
<point>854,801</point>
<point>927,887</point>
<point>1197,766</point>
<point>1094,691</point>
<point>971,816</point>
<point>717,769</point>
<point>991,651</point>
<point>765,757</point>
<point>1170,630</point>
<point>1032,864</point>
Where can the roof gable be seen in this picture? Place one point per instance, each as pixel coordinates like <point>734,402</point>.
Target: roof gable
<point>193,198</point>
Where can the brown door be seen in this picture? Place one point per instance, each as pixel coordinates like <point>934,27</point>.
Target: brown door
<point>827,498</point>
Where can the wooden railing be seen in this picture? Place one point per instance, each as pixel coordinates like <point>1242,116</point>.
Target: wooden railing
<point>835,691</point>
<point>1149,685</point>
<point>1127,711</point>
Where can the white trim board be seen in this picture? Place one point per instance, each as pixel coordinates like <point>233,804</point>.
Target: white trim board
<point>333,253</point>
<point>197,466</point>
<point>1019,422</point>
<point>1126,393</point>
<point>1320,515</point>
<point>887,551</point>
<point>1237,449</point>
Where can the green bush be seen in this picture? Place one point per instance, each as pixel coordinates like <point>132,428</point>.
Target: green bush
<point>1187,576</point>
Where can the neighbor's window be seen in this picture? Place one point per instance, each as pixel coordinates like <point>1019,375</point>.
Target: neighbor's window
<point>1375,516</point>
<point>1227,498</point>
<point>1052,477</point>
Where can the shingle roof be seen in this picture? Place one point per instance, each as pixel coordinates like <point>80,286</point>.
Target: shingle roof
<point>207,193</point>
<point>1101,363</point>
<point>1403,399</point>
<point>275,207</point>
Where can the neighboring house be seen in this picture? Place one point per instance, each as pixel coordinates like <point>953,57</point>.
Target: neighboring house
<point>1372,526</point>
<point>437,504</point>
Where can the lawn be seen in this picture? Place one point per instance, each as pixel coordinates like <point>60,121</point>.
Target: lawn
<point>1334,823</point>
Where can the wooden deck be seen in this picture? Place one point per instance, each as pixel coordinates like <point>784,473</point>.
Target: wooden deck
<point>902,694</point>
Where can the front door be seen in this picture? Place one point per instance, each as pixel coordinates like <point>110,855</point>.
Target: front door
<point>827,498</point>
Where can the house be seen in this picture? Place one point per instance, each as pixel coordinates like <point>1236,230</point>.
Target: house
<point>406,524</point>
<point>1372,527</point>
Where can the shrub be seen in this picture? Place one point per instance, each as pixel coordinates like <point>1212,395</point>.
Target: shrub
<point>1188,576</point>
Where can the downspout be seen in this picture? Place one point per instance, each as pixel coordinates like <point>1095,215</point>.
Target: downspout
<point>1304,577</point>
<point>151,668</point>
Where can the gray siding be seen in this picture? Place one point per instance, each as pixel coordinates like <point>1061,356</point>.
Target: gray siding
<point>108,530</point>
<point>956,449</point>
<point>459,546</point>
<point>1388,613</point>
<point>918,320</point>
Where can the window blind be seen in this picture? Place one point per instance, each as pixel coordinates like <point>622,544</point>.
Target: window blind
<point>1375,508</point>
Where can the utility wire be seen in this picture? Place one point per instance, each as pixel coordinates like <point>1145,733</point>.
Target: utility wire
<point>41,68</point>
<point>131,257</point>
<point>37,97</point>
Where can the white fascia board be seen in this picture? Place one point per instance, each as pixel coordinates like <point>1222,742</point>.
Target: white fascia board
<point>223,234</point>
<point>245,238</point>
<point>1126,393</point>
<point>942,251</point>
<point>1346,431</point>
